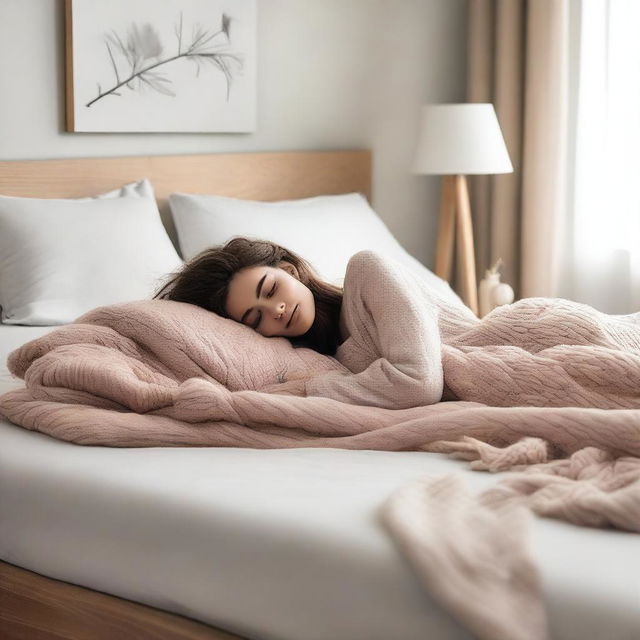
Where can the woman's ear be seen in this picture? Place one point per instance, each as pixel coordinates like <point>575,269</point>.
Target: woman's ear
<point>289,268</point>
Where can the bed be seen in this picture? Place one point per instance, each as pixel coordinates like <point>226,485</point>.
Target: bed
<point>177,543</point>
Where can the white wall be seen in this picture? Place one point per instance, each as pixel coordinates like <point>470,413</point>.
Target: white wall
<point>332,74</point>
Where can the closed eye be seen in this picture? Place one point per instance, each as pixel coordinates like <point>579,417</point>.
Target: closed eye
<point>273,290</point>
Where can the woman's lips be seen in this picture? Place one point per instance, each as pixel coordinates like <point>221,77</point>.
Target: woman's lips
<point>293,313</point>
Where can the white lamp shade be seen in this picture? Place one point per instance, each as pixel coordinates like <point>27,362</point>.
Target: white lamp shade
<point>460,139</point>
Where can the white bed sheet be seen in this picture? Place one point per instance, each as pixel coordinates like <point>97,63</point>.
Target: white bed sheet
<point>275,544</point>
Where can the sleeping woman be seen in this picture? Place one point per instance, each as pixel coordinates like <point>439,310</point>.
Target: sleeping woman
<point>389,340</point>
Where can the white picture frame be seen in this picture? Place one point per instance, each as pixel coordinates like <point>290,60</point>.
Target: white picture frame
<point>170,66</point>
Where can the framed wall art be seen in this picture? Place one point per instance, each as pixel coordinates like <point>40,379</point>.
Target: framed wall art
<point>175,65</point>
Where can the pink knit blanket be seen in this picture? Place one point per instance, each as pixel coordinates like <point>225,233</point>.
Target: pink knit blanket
<point>548,389</point>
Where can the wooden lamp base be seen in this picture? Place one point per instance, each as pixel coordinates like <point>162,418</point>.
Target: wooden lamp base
<point>455,213</point>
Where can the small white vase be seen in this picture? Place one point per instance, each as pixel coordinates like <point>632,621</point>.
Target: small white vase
<point>492,293</point>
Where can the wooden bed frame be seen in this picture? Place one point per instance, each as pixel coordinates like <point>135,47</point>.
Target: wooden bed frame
<point>41,608</point>
<point>251,176</point>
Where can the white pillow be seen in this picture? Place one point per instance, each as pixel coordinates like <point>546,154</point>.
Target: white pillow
<point>326,230</point>
<point>60,258</point>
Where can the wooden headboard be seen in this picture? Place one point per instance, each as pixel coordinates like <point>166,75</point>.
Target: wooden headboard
<point>252,176</point>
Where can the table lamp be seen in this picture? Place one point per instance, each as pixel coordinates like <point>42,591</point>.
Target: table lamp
<point>456,140</point>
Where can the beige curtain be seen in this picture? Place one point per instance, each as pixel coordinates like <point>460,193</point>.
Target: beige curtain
<point>517,60</point>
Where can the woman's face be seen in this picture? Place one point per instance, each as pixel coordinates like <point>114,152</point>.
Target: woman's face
<point>271,300</point>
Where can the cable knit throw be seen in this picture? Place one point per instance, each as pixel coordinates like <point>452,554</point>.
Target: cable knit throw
<point>547,389</point>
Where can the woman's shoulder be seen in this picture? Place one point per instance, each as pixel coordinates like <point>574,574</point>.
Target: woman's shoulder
<point>367,258</point>
<point>368,266</point>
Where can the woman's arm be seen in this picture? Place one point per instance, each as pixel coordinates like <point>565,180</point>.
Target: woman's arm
<point>394,333</point>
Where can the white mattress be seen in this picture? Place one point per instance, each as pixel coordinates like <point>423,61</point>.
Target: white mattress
<point>278,544</point>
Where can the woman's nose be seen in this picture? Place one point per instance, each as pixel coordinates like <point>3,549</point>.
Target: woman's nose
<point>280,309</point>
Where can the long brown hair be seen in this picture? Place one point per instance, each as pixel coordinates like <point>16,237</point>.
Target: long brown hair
<point>204,281</point>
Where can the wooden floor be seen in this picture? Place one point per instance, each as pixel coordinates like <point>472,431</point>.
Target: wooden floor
<point>33,607</point>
